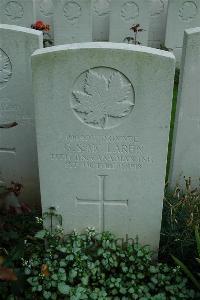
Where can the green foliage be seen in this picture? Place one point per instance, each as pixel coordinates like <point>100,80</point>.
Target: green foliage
<point>136,30</point>
<point>16,229</point>
<point>96,266</point>
<point>51,265</point>
<point>181,214</point>
<point>163,47</point>
<point>191,276</point>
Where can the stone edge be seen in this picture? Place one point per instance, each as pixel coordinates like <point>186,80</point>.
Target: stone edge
<point>21,29</point>
<point>105,45</point>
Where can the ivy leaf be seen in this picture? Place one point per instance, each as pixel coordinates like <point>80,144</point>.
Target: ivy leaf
<point>40,234</point>
<point>103,98</point>
<point>63,288</point>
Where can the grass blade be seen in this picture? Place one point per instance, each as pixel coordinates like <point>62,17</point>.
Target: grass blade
<point>197,235</point>
<point>187,272</point>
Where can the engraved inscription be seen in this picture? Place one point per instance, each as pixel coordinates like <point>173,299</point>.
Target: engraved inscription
<point>102,8</point>
<point>10,111</point>
<point>72,11</point>
<point>14,10</point>
<point>102,97</point>
<point>46,8</point>
<point>8,150</point>
<point>125,153</point>
<point>129,11</point>
<point>5,69</point>
<point>157,8</point>
<point>188,11</point>
<point>101,202</point>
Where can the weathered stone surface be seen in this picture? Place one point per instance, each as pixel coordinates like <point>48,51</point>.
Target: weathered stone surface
<point>182,14</point>
<point>125,13</point>
<point>101,20</point>
<point>72,21</point>
<point>17,12</point>
<point>186,141</point>
<point>102,118</point>
<point>18,157</point>
<point>157,23</point>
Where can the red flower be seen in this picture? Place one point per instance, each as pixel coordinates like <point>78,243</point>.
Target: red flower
<point>40,25</point>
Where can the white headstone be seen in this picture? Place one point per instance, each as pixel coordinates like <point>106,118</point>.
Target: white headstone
<point>17,12</point>
<point>72,21</point>
<point>18,157</point>
<point>102,117</point>
<point>44,11</point>
<point>125,13</point>
<point>157,23</point>
<point>101,20</point>
<point>186,141</point>
<point>182,14</point>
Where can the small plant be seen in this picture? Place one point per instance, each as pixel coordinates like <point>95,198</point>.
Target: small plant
<point>163,47</point>
<point>15,230</point>
<point>45,28</point>
<point>136,29</point>
<point>187,271</point>
<point>52,218</point>
<point>181,214</point>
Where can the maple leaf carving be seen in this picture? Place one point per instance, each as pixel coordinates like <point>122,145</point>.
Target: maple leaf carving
<point>102,98</point>
<point>5,71</point>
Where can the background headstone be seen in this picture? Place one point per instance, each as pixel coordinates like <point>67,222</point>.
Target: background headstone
<point>101,20</point>
<point>157,23</point>
<point>44,11</point>
<point>72,21</point>
<point>18,156</point>
<point>186,141</point>
<point>182,14</point>
<point>102,124</point>
<point>125,13</point>
<point>17,12</point>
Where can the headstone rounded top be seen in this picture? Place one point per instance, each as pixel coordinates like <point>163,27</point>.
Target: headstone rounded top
<point>103,46</point>
<point>102,97</point>
<point>14,10</point>
<point>19,29</point>
<point>192,30</point>
<point>5,69</point>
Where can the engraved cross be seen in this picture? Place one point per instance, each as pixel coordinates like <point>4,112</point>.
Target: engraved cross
<point>8,149</point>
<point>101,202</point>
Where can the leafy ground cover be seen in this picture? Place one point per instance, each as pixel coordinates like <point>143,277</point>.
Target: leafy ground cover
<point>45,264</point>
<point>51,265</point>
